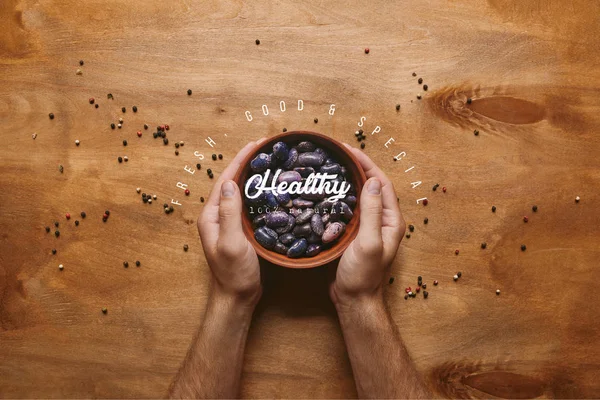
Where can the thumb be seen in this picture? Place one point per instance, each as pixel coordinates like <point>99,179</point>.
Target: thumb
<point>371,209</point>
<point>230,213</point>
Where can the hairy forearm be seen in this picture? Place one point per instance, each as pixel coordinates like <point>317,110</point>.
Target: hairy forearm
<point>213,365</point>
<point>380,362</point>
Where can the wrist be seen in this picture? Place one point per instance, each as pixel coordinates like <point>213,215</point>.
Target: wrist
<point>363,304</point>
<point>232,303</point>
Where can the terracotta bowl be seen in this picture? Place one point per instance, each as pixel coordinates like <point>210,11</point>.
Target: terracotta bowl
<point>358,179</point>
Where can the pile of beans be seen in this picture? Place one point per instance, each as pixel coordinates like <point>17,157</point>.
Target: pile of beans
<point>298,225</point>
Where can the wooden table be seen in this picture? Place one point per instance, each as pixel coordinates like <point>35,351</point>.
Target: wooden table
<point>531,68</point>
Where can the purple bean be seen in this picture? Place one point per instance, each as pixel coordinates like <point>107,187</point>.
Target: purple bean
<point>333,231</point>
<point>304,147</point>
<point>305,216</point>
<point>316,224</point>
<point>281,151</point>
<point>302,203</point>
<point>298,248</point>
<point>291,160</point>
<point>311,159</point>
<point>313,249</point>
<point>276,219</point>
<point>266,237</point>
<point>289,177</point>
<point>260,163</point>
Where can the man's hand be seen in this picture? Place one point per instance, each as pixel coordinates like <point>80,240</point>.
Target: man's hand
<point>231,257</point>
<point>213,366</point>
<point>362,268</point>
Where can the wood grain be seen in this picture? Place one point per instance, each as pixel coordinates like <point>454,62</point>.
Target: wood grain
<point>531,67</point>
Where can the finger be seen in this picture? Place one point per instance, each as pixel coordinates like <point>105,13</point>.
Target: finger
<point>230,214</point>
<point>389,197</point>
<point>371,211</point>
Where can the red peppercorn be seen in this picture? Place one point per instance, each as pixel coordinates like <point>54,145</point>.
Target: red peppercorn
<point>456,251</point>
<point>418,289</point>
<point>367,50</point>
<point>105,216</point>
<point>139,133</point>
<point>162,128</point>
<point>408,289</point>
<point>187,192</point>
<point>68,215</point>
<point>425,202</point>
<point>444,189</point>
<point>92,100</point>
<point>525,219</point>
<point>167,127</point>
<point>435,283</point>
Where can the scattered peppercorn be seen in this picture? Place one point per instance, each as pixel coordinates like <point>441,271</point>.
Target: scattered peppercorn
<point>145,126</point>
<point>459,274</point>
<point>198,166</point>
<point>220,156</point>
<point>456,251</point>
<point>411,228</point>
<point>51,115</point>
<point>123,109</point>
<point>201,199</point>
<point>391,280</point>
<point>418,97</point>
<point>476,132</point>
<point>124,142</point>
<point>420,81</point>
<point>483,245</point>
<point>408,235</point>
<point>125,264</point>
<point>53,251</point>
<point>171,209</point>
<point>367,50</point>
<point>83,214</point>
<point>214,157</point>
<point>424,286</point>
<point>577,199</point>
<point>209,171</point>
<point>414,74</point>
<point>47,229</point>
<point>284,129</point>
<point>110,96</point>
<point>134,108</point>
<point>112,126</point>
<point>434,188</point>
<point>425,221</point>
<point>96,105</point>
<point>187,192</point>
<point>316,120</point>
<point>425,294</point>
<point>405,297</point>
<point>61,267</point>
<point>498,292</point>
<point>137,263</point>
<point>91,100</point>
<point>523,247</point>
<point>185,247</point>
<point>257,42</point>
<point>104,310</point>
<point>425,202</point>
<point>525,219</point>
<point>534,208</point>
<point>167,128</point>
<point>493,208</point>
<point>397,107</point>
<point>469,100</point>
<point>139,133</point>
<point>455,277</point>
<point>176,145</point>
<point>435,283</point>
<point>210,175</point>
<point>444,189</point>
<point>80,62</point>
<point>76,222</point>
<point>155,135</point>
<point>362,145</point>
<point>120,159</point>
<point>166,141</point>
<point>425,87</point>
<point>418,289</point>
<point>56,233</point>
<point>189,92</point>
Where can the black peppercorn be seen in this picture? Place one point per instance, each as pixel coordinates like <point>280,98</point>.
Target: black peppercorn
<point>391,280</point>
<point>171,209</point>
<point>408,235</point>
<point>493,208</point>
<point>405,297</point>
<point>189,92</point>
<point>80,62</point>
<point>124,142</point>
<point>214,157</point>
<point>523,247</point>
<point>469,100</point>
<point>107,212</point>
<point>209,171</point>
<point>145,126</point>
<point>137,263</point>
<point>424,286</point>
<point>176,145</point>
<point>134,108</point>
<point>123,109</point>
<point>210,175</point>
<point>120,159</point>
<point>165,205</point>
<point>426,221</point>
<point>316,120</point>
<point>483,245</point>
<point>425,87</point>
<point>76,223</point>
<point>534,208</point>
<point>201,199</point>
<point>176,152</point>
<point>362,145</point>
<point>155,135</point>
<point>220,156</point>
<point>459,274</point>
<point>411,228</point>
<point>57,233</point>
<point>96,105</point>
<point>420,80</point>
<point>53,251</point>
<point>83,214</point>
<point>165,141</point>
<point>125,264</point>
<point>56,224</point>
<point>198,166</point>
<point>112,126</point>
<point>51,115</point>
<point>361,131</point>
<point>185,247</point>
<point>104,310</point>
<point>419,279</point>
<point>414,74</point>
<point>257,42</point>
<point>418,97</point>
<point>476,132</point>
<point>284,129</point>
<point>397,107</point>
<point>425,294</point>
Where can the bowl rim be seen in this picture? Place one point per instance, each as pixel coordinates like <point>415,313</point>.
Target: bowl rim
<point>303,262</point>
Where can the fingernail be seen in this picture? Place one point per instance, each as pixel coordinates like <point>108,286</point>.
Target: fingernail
<point>227,189</point>
<point>374,186</point>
